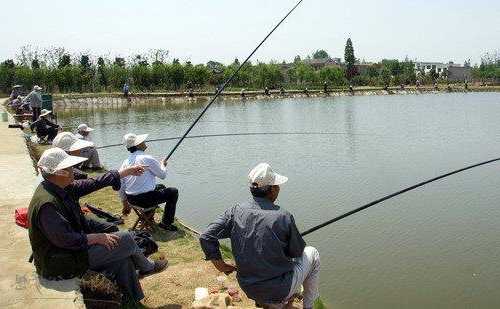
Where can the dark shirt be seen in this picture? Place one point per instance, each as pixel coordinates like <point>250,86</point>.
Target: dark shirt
<point>264,241</point>
<point>42,125</point>
<point>56,227</point>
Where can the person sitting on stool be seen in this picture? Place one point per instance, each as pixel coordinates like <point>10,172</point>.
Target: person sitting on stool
<point>44,127</point>
<point>142,190</point>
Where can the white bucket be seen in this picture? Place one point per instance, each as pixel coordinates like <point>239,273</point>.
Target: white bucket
<point>200,293</point>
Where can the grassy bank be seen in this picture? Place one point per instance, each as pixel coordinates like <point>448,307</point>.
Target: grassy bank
<point>187,268</point>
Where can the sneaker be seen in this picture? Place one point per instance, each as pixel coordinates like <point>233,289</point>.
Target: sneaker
<point>169,227</point>
<point>160,265</point>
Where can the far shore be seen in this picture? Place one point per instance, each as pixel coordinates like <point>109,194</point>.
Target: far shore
<point>113,99</point>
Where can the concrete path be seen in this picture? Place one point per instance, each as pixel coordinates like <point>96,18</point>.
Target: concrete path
<point>19,284</point>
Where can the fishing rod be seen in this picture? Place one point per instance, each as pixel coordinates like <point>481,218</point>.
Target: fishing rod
<point>349,213</point>
<point>230,79</point>
<point>235,134</point>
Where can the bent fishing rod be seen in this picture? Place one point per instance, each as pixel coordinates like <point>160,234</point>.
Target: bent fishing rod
<point>236,134</point>
<point>349,213</point>
<point>229,80</point>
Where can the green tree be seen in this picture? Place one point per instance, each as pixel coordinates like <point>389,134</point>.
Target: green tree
<point>350,60</point>
<point>320,54</point>
<point>64,61</point>
<point>332,75</point>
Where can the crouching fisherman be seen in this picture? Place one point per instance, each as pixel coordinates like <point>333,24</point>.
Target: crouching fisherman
<point>272,260</point>
<point>63,242</point>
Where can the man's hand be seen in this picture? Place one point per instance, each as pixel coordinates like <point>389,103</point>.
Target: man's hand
<point>223,266</point>
<point>109,241</point>
<point>164,162</point>
<point>126,209</point>
<point>135,170</point>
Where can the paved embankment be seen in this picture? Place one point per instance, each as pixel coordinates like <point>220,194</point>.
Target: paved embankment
<point>19,284</point>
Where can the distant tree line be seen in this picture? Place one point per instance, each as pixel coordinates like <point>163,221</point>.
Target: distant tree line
<point>59,71</point>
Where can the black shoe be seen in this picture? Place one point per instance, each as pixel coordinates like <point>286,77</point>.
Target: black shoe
<point>169,227</point>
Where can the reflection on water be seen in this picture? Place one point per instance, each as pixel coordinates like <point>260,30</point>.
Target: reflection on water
<point>435,247</point>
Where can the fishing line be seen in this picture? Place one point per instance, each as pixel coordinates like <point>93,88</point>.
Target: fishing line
<point>230,79</point>
<point>347,214</point>
<point>236,134</point>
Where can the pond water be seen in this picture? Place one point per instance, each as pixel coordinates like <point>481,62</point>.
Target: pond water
<point>435,247</point>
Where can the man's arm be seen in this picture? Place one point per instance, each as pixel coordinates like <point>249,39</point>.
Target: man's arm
<point>58,230</point>
<point>82,187</point>
<point>296,244</point>
<point>209,240</point>
<point>157,168</point>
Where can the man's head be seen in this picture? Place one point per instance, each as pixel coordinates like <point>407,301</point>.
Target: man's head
<point>84,129</point>
<point>37,88</point>
<point>68,142</point>
<point>135,142</point>
<point>56,166</point>
<point>264,182</point>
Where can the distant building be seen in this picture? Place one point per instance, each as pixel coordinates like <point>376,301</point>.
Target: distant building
<point>363,67</point>
<point>426,67</point>
<point>452,71</point>
<point>324,62</point>
<point>459,73</point>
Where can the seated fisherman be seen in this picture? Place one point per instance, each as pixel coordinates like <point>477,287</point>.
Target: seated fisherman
<point>272,260</point>
<point>90,152</point>
<point>68,142</point>
<point>44,127</point>
<point>142,190</point>
<point>64,244</point>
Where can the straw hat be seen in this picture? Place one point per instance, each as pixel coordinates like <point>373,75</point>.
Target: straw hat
<point>45,112</point>
<point>84,128</point>
<point>67,141</point>
<point>131,140</point>
<point>56,159</point>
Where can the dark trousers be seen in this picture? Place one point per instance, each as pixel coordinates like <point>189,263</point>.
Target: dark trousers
<point>120,263</point>
<point>50,133</point>
<point>159,195</point>
<point>36,113</point>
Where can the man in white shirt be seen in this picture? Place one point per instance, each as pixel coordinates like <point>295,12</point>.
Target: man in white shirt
<point>142,190</point>
<point>90,152</point>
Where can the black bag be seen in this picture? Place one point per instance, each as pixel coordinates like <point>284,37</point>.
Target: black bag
<point>145,241</point>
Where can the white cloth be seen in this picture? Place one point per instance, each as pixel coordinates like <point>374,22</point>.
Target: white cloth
<point>134,185</point>
<point>305,273</point>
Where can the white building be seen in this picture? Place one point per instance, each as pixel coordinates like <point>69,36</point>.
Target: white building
<point>437,67</point>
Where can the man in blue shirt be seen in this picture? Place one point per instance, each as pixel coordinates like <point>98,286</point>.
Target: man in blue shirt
<point>272,260</point>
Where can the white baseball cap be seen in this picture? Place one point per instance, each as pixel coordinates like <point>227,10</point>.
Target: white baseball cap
<point>44,112</point>
<point>85,128</point>
<point>67,141</point>
<point>131,140</point>
<point>262,175</point>
<point>36,87</point>
<point>56,159</point>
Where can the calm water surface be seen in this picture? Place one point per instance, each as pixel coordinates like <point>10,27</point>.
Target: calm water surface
<point>435,247</point>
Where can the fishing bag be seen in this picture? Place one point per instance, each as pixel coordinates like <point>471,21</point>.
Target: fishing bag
<point>21,216</point>
<point>145,241</point>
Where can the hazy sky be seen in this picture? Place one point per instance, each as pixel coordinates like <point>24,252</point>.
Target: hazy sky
<point>202,30</point>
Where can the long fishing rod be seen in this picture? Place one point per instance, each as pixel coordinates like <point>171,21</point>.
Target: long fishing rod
<point>230,79</point>
<point>235,134</point>
<point>347,214</point>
